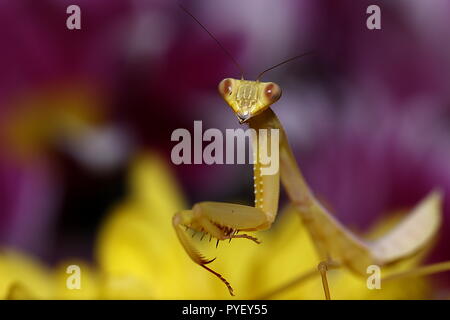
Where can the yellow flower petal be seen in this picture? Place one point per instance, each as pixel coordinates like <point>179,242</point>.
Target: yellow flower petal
<point>23,278</point>
<point>138,249</point>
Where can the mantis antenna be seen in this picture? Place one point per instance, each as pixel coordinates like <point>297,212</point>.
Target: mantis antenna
<point>229,54</point>
<point>215,39</point>
<point>281,63</point>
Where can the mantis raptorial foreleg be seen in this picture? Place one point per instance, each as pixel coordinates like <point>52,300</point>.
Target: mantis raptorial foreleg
<point>221,221</point>
<point>224,220</point>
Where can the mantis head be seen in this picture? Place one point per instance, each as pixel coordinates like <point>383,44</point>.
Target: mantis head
<point>248,98</point>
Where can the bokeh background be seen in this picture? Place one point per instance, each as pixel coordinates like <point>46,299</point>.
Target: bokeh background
<point>368,115</point>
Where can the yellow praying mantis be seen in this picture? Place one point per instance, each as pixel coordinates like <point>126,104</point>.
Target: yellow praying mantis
<point>336,245</point>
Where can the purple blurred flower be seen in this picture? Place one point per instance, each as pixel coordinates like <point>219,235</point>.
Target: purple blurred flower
<point>41,58</point>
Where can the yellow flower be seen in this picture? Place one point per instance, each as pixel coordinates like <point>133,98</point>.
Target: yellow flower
<point>138,256</point>
<point>24,278</point>
<point>138,242</point>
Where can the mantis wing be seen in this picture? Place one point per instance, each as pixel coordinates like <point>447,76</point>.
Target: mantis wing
<point>411,234</point>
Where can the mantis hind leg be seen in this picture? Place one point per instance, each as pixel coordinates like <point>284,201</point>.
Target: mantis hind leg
<point>323,268</point>
<point>419,271</point>
<point>290,284</point>
<point>221,221</point>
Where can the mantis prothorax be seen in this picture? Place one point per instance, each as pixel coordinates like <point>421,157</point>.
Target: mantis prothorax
<point>336,245</point>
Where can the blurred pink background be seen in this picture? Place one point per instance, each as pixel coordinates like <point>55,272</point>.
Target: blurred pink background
<point>368,115</point>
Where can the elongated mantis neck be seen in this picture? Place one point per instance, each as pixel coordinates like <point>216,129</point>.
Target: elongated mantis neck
<point>319,222</point>
<point>291,175</point>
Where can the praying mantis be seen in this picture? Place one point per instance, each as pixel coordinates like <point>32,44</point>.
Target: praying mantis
<point>336,245</point>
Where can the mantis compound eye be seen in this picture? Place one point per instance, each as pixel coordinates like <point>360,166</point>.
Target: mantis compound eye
<point>225,87</point>
<point>272,92</point>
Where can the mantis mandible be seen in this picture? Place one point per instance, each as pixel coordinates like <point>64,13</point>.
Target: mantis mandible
<point>336,245</point>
